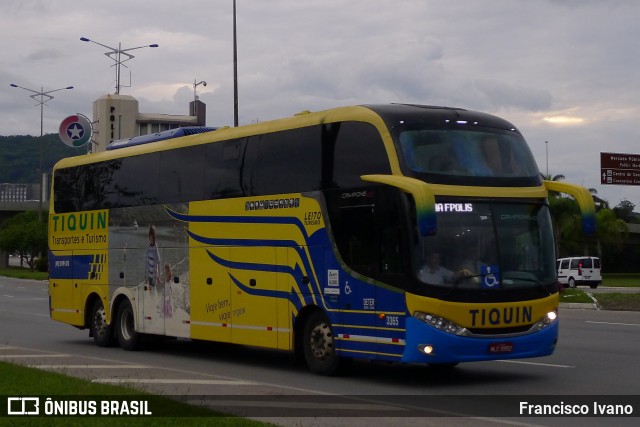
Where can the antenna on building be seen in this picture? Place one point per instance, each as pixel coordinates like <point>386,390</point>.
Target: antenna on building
<point>116,55</point>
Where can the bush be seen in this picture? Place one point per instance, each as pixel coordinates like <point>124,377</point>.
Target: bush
<point>42,264</point>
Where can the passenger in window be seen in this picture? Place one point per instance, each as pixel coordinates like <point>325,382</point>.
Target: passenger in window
<point>471,259</point>
<point>433,272</point>
<point>442,163</point>
<point>498,157</point>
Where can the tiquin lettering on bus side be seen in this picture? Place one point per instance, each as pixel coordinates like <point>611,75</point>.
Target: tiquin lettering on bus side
<point>501,316</point>
<point>79,230</point>
<point>79,221</point>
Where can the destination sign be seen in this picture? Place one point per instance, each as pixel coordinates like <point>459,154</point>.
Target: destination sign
<point>619,169</point>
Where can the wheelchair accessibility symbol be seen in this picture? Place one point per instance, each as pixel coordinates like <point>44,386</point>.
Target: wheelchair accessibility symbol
<point>491,276</point>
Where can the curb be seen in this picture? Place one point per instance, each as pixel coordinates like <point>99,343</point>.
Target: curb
<point>579,305</point>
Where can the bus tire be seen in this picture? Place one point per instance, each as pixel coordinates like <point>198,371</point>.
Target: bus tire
<point>128,338</point>
<point>99,329</point>
<point>319,345</point>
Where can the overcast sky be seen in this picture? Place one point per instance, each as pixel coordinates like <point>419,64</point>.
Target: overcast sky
<point>563,71</point>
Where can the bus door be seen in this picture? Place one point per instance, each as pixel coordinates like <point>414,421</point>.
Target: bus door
<point>353,221</point>
<point>253,309</point>
<point>371,232</point>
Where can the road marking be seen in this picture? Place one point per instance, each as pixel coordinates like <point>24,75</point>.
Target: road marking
<point>614,323</point>
<point>169,381</point>
<point>549,365</point>
<point>89,366</point>
<point>299,405</point>
<point>22,356</point>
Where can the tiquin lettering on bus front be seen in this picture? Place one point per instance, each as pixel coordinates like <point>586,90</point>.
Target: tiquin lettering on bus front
<point>80,221</point>
<point>501,316</point>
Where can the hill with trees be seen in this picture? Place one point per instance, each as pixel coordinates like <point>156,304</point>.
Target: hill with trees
<point>20,156</point>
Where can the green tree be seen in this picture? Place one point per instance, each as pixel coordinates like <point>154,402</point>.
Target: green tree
<point>25,235</point>
<point>624,211</point>
<point>610,230</point>
<point>564,214</point>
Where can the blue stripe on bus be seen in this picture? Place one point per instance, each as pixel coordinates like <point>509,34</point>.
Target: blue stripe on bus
<point>70,266</point>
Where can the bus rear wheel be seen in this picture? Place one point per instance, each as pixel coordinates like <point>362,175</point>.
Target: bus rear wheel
<point>128,338</point>
<point>99,329</point>
<point>319,345</point>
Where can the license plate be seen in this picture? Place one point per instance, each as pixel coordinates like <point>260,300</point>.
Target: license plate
<point>501,347</point>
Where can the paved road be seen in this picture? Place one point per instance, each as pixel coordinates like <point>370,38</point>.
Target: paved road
<point>596,356</point>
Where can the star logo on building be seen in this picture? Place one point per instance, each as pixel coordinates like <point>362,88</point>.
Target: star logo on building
<point>75,131</point>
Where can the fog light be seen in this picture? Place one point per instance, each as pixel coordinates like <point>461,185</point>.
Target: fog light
<point>425,348</point>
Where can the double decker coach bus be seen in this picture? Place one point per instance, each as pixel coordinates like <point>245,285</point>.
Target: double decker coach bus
<point>403,233</point>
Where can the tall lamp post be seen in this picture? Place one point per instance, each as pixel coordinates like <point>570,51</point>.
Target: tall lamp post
<point>41,97</point>
<point>235,68</point>
<point>116,54</point>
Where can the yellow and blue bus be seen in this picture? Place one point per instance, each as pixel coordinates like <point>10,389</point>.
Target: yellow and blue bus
<point>402,233</point>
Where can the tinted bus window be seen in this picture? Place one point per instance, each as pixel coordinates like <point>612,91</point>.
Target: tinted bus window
<point>135,182</point>
<point>358,150</point>
<point>222,170</point>
<point>180,174</point>
<point>283,162</point>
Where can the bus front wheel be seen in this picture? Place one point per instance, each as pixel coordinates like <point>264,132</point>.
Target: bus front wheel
<point>319,345</point>
<point>99,329</point>
<point>128,338</point>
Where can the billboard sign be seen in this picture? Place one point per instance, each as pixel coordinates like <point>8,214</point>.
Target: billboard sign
<point>619,169</point>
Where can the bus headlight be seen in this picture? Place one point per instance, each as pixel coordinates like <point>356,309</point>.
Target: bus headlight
<point>548,319</point>
<point>441,324</point>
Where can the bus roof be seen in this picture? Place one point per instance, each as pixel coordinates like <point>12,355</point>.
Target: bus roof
<point>381,115</point>
<point>154,137</point>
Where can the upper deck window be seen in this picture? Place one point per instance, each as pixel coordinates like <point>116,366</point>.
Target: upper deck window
<point>451,156</point>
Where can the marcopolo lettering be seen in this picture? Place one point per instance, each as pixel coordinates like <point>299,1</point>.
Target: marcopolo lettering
<point>79,221</point>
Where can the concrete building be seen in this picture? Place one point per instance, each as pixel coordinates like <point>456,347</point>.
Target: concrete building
<point>117,117</point>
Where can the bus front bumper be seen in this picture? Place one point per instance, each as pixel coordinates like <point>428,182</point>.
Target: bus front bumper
<point>426,344</point>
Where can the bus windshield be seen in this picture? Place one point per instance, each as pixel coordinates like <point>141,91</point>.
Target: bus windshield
<point>444,154</point>
<point>488,246</point>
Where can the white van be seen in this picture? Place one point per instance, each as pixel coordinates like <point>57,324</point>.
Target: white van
<point>579,270</point>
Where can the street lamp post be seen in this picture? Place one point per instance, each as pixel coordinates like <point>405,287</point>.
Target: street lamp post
<point>42,97</point>
<point>546,147</point>
<point>115,54</point>
<point>195,97</point>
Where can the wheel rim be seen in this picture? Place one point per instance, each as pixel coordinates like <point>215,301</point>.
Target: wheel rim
<point>126,324</point>
<point>100,322</point>
<point>321,341</point>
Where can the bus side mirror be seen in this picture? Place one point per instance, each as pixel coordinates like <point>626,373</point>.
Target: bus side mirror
<point>584,199</point>
<point>422,194</point>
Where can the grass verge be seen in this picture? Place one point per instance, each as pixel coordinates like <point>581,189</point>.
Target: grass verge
<point>606,301</point>
<point>22,381</point>
<point>23,273</point>
<point>621,279</point>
